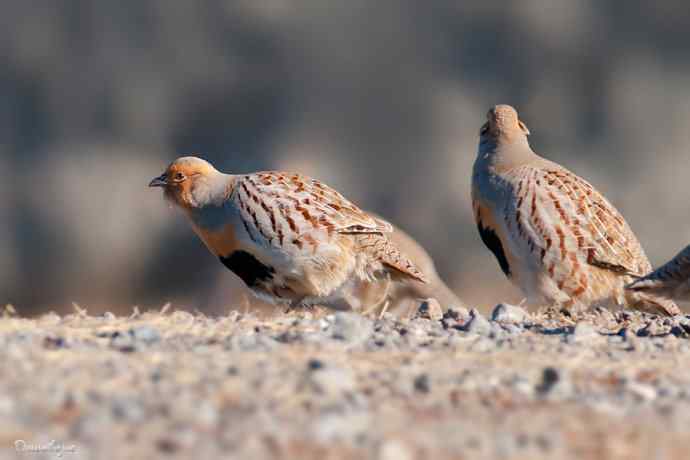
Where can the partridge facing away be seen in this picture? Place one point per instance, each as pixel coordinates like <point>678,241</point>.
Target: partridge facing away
<point>671,280</point>
<point>554,235</point>
<point>404,298</point>
<point>292,239</point>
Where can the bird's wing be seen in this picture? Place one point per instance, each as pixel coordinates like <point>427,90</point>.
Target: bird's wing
<point>560,213</point>
<point>280,207</point>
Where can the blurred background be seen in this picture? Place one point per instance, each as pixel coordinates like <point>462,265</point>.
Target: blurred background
<point>380,99</point>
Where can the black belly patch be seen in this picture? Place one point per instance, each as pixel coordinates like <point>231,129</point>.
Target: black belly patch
<point>247,267</point>
<point>492,242</point>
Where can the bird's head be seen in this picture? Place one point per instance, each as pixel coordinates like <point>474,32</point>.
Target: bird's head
<point>503,126</point>
<point>190,182</point>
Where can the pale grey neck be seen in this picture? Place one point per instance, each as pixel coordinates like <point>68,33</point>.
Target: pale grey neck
<point>211,206</point>
<point>502,156</point>
<point>213,190</point>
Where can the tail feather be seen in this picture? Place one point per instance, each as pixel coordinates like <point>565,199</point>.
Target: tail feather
<point>382,249</point>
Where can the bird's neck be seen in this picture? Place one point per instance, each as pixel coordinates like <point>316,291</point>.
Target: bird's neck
<point>211,191</point>
<point>208,204</point>
<point>498,157</point>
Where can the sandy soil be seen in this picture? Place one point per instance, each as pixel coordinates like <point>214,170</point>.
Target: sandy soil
<point>327,386</point>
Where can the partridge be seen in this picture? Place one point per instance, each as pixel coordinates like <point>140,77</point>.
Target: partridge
<point>671,280</point>
<point>404,298</point>
<point>554,235</point>
<point>293,240</point>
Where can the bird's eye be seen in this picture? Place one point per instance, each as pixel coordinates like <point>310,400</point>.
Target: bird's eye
<point>485,129</point>
<point>179,177</point>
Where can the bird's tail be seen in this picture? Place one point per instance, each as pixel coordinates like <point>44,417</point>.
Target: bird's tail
<point>381,248</point>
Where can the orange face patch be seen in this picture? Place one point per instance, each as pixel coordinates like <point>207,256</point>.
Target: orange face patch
<point>180,177</point>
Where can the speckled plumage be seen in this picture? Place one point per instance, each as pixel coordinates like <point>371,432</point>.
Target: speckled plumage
<point>555,236</point>
<point>291,239</point>
<point>404,298</point>
<point>671,280</point>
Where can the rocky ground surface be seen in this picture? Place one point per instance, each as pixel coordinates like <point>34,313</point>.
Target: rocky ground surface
<point>329,386</point>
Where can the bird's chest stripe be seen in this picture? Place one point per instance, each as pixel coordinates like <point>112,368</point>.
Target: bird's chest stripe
<point>493,242</point>
<point>247,267</point>
<point>488,232</point>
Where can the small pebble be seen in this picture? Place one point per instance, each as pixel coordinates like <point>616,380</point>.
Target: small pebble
<point>333,381</point>
<point>128,409</point>
<point>506,313</point>
<point>549,379</point>
<point>314,364</point>
<point>351,327</point>
<point>583,332</point>
<point>53,343</point>
<point>123,342</point>
<point>108,316</point>
<point>478,324</point>
<point>395,450</point>
<point>643,391</point>
<point>146,334</point>
<point>430,309</point>
<point>421,383</point>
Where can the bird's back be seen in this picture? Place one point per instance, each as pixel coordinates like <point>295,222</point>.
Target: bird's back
<point>584,245</point>
<point>310,237</point>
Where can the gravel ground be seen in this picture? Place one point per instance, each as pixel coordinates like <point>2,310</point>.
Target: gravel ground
<point>319,385</point>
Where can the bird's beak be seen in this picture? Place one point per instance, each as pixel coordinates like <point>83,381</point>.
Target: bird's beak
<point>160,181</point>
